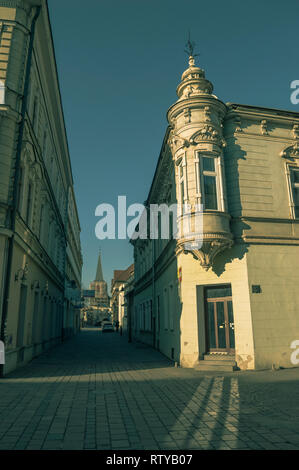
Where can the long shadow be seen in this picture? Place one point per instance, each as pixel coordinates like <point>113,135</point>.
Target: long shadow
<point>153,408</point>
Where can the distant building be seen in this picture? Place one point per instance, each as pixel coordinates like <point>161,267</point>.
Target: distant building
<point>129,304</point>
<point>96,298</point>
<point>118,284</point>
<point>233,300</point>
<point>40,252</point>
<point>99,286</point>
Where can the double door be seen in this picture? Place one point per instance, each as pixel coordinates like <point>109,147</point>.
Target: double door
<point>220,319</point>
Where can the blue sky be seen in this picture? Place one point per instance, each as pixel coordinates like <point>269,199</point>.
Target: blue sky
<point>119,62</point>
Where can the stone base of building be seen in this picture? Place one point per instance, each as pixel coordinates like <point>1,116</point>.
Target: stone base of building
<point>19,357</point>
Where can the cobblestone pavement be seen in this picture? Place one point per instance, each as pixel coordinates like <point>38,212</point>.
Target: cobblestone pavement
<point>97,391</point>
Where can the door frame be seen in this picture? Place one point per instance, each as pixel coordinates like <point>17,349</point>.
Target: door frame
<point>228,350</point>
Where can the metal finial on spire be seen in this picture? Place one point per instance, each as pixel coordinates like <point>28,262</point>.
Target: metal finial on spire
<point>190,46</point>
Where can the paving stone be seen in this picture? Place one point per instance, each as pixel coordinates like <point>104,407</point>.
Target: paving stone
<point>114,395</point>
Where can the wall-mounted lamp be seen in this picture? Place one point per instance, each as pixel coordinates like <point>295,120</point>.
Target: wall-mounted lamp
<point>21,274</point>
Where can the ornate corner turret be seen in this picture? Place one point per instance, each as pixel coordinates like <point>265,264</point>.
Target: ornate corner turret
<point>197,142</point>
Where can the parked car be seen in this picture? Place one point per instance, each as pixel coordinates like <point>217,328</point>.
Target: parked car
<point>108,328</point>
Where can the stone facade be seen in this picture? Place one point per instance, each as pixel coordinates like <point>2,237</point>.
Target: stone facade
<point>40,253</point>
<point>235,293</point>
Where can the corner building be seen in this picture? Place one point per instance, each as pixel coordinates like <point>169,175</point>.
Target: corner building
<point>234,301</point>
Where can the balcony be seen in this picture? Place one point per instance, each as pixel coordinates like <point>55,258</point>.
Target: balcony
<point>204,235</point>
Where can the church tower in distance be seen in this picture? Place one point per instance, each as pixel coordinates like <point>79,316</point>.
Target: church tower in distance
<point>99,285</point>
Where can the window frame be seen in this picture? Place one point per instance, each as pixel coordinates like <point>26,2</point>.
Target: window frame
<point>291,169</point>
<point>217,174</point>
<point>29,202</point>
<point>181,165</point>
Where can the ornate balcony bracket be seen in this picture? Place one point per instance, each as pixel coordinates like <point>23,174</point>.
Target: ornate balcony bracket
<point>214,238</point>
<point>209,250</point>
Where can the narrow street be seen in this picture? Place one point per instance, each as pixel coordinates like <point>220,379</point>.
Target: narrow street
<point>96,391</point>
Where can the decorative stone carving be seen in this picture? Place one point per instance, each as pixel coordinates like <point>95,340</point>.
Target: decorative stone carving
<point>207,113</point>
<point>264,129</point>
<point>208,134</point>
<point>291,152</point>
<point>296,131</point>
<point>193,82</point>
<point>175,141</point>
<point>187,115</point>
<point>238,123</point>
<point>205,133</point>
<point>209,251</point>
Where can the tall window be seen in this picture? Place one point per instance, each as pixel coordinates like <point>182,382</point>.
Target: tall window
<point>29,203</point>
<point>41,218</point>
<point>210,182</point>
<point>34,114</point>
<point>20,187</point>
<point>294,175</point>
<point>182,183</point>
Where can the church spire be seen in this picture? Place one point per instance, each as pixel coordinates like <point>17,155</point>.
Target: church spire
<point>99,274</point>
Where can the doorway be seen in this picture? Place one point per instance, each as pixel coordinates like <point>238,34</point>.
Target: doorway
<point>219,319</point>
<point>21,322</point>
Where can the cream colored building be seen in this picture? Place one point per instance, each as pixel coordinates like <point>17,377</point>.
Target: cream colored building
<point>40,253</point>
<point>234,300</point>
<point>120,279</point>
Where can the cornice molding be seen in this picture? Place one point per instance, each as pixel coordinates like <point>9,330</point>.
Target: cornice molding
<point>198,102</point>
<point>16,4</point>
<point>259,114</point>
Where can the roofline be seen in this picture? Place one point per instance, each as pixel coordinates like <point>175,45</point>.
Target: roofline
<point>58,87</point>
<point>279,112</point>
<point>158,162</point>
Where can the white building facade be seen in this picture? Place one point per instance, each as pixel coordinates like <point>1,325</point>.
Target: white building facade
<point>231,301</point>
<point>39,226</point>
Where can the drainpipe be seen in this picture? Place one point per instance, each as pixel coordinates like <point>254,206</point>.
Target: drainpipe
<point>13,207</point>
